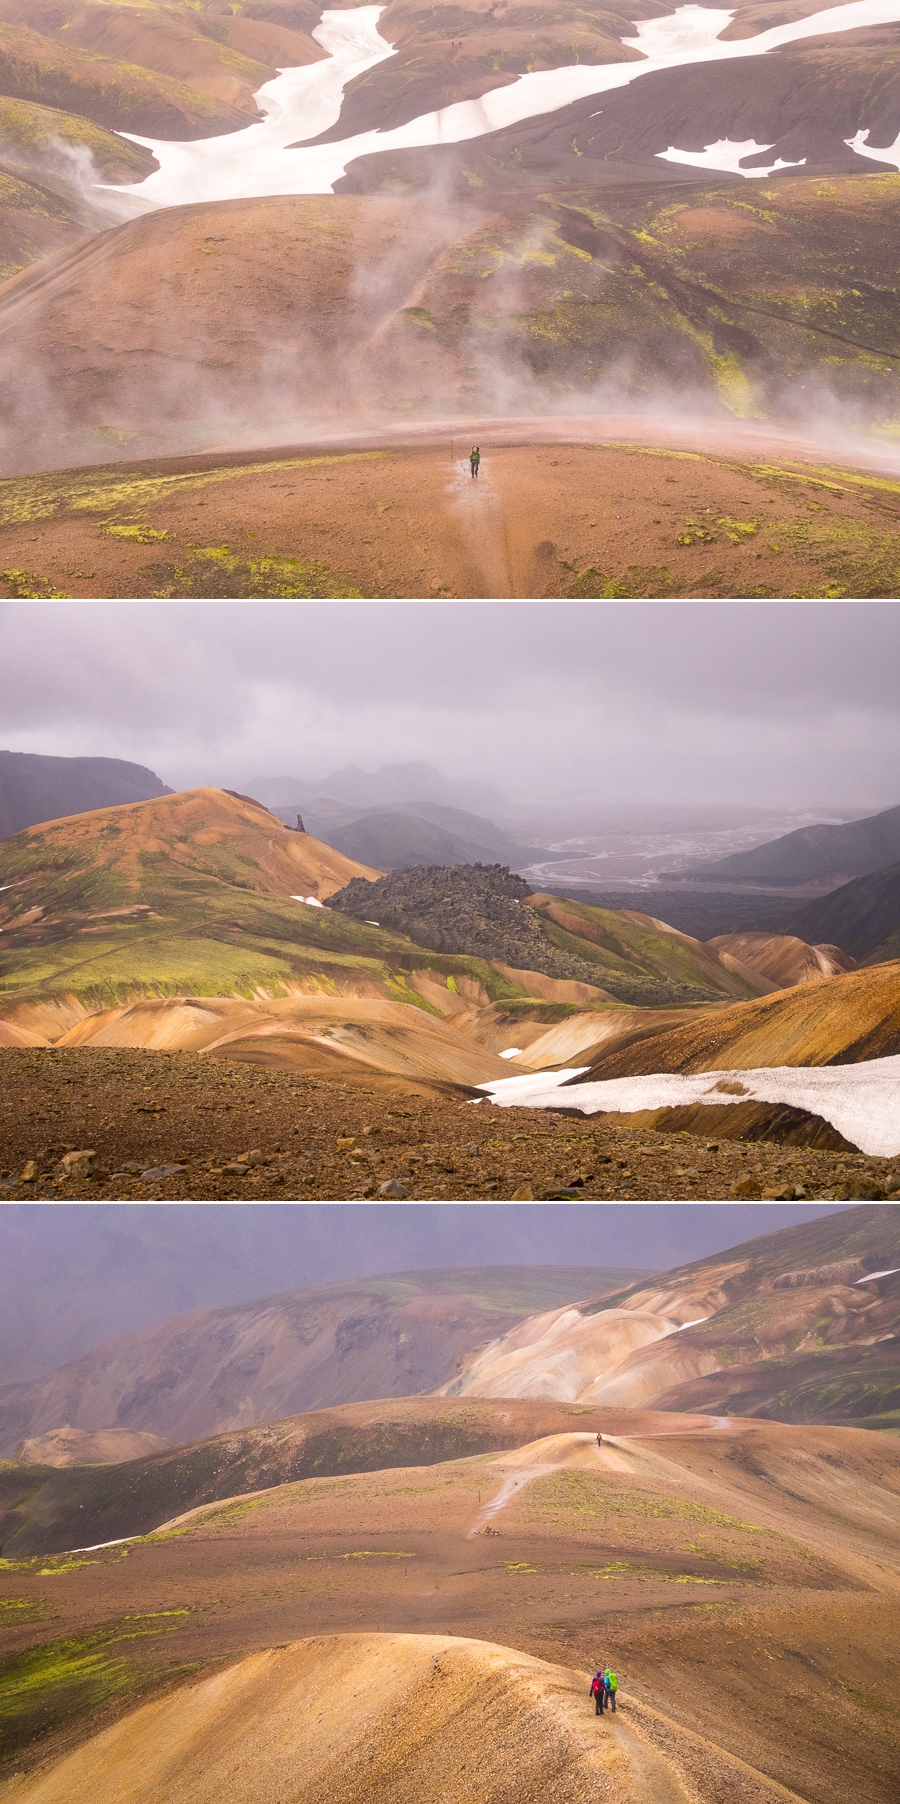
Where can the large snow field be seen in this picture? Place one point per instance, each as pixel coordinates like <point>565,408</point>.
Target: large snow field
<point>862,1101</point>
<point>299,104</point>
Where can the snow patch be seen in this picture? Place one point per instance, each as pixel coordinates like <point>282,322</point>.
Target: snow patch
<point>728,155</point>
<point>862,1101</point>
<point>512,1052</point>
<point>891,154</point>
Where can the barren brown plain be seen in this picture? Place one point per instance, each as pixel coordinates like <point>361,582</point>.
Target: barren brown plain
<point>741,1576</point>
<point>239,1127</point>
<point>542,520</point>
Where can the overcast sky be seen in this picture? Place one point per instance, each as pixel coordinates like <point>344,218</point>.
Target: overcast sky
<point>663,701</point>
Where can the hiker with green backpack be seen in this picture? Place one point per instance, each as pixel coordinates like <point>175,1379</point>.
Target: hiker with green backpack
<point>611,1684</point>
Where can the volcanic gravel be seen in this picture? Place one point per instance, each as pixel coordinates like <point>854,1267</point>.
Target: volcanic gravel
<point>234,1131</point>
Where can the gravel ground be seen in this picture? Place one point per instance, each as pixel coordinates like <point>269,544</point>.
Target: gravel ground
<point>229,1131</point>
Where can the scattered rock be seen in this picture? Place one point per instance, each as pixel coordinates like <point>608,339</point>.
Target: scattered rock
<point>524,1194</point>
<point>163,1171</point>
<point>29,1172</point>
<point>392,1187</point>
<point>745,1187</point>
<point>82,1164</point>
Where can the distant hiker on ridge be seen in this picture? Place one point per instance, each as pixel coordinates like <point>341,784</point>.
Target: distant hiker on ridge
<point>474,459</point>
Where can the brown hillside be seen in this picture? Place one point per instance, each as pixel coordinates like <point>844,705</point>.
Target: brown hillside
<point>116,94</point>
<point>87,1447</point>
<point>338,1036</point>
<point>262,296</point>
<point>45,1510</point>
<point>816,1301</point>
<point>782,958</point>
<point>224,55</point>
<point>434,1718</point>
<point>832,1021</point>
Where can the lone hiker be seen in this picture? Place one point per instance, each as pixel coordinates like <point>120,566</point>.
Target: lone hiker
<point>475,459</point>
<point>598,1691</point>
<point>611,1682</point>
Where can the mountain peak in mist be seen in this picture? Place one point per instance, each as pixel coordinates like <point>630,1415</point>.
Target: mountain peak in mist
<point>414,781</point>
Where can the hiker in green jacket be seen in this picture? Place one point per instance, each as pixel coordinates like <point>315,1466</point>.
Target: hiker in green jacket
<point>475,459</point>
<point>611,1682</point>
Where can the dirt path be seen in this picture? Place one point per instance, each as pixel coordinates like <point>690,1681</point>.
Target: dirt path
<point>657,1782</point>
<point>482,522</point>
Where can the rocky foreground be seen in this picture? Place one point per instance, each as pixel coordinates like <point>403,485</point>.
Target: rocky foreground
<point>86,1123</point>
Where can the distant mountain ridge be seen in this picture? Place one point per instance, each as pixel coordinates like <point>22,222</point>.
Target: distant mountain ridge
<point>213,1369</point>
<point>35,788</point>
<point>826,855</point>
<point>392,836</point>
<point>390,784</point>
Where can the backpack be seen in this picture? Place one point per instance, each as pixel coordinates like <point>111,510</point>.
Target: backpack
<point>612,1681</point>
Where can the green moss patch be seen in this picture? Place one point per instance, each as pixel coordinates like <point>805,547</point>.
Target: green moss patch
<point>57,1683</point>
<point>215,571</point>
<point>31,133</point>
<point>51,497</point>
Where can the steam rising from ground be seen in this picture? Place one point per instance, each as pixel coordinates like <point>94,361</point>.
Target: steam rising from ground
<point>176,373</point>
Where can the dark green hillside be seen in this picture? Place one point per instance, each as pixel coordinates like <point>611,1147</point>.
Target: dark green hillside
<point>865,912</point>
<point>46,1510</point>
<point>824,853</point>
<point>394,840</point>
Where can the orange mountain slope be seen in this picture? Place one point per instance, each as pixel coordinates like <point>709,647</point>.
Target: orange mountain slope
<point>208,833</point>
<point>833,1021</point>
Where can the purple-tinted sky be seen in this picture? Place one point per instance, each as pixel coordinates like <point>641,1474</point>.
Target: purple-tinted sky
<point>675,702</point>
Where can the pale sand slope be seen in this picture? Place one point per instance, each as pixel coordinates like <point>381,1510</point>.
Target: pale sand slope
<point>11,1035</point>
<point>302,1032</point>
<point>566,1355</point>
<point>391,1719</point>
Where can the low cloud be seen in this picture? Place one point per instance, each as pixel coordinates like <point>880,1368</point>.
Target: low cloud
<point>657,701</point>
